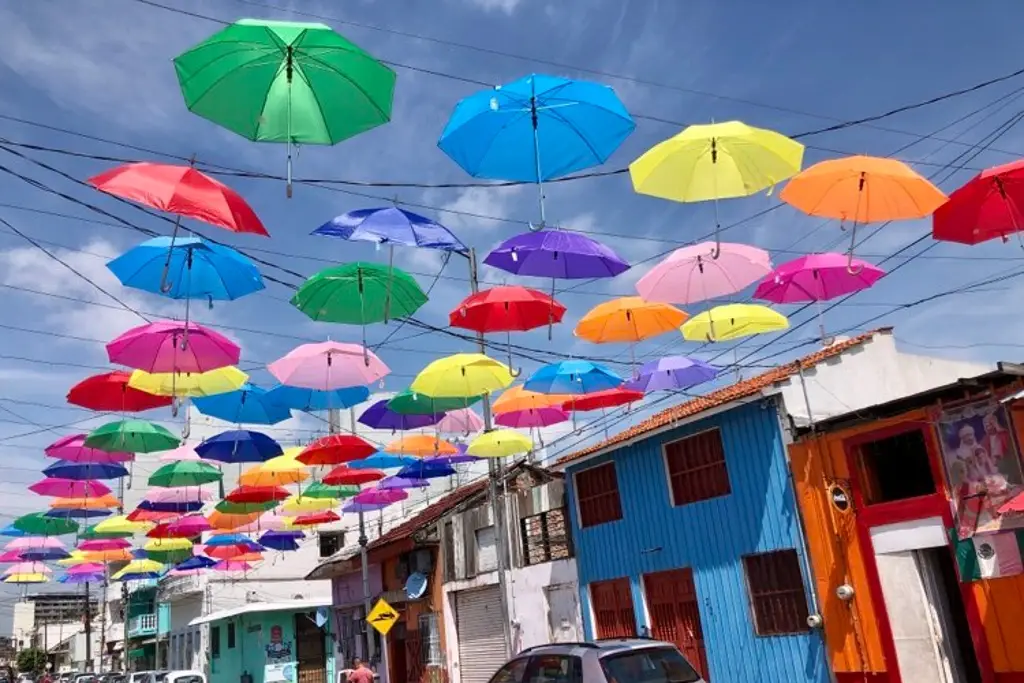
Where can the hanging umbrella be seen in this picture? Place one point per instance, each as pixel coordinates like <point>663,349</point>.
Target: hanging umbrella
<point>506,309</point>
<point>320,490</point>
<point>461,421</point>
<point>83,471</point>
<point>8,556</point>
<point>179,507</point>
<point>73,449</point>
<point>423,469</point>
<point>531,418</point>
<point>988,206</point>
<point>671,373</point>
<point>420,445</point>
<point>257,494</point>
<point>110,392</point>
<point>87,568</point>
<point>183,191</point>
<point>316,519</point>
<point>279,471</point>
<point>499,443</point>
<point>232,565</point>
<point>34,543</point>
<point>409,402</point>
<point>601,400</point>
<point>77,513</point>
<point>135,436</point>
<point>185,473</point>
<point>26,578</point>
<point>862,189</point>
<point>400,483</point>
<point>141,515</point>
<point>196,384</point>
<point>38,524</point>
<point>328,365</point>
<point>166,545</point>
<point>733,321</point>
<point>560,254</point>
<point>189,526</point>
<point>336,449</point>
<point>286,82</point>
<point>298,505</point>
<point>380,461</point>
<point>342,475</point>
<point>230,508</point>
<point>142,568</point>
<point>69,488</point>
<point>391,225</point>
<point>517,399</point>
<point>168,346</point>
<point>249,405</point>
<point>380,416</point>
<point>352,507</point>
<point>119,525</point>
<point>195,564</point>
<point>240,445</point>
<point>281,540</point>
<point>572,377</point>
<point>184,494</point>
<point>628,319</point>
<point>377,496</point>
<point>75,579</point>
<point>43,554</point>
<point>716,161</point>
<point>27,568</point>
<point>693,274</point>
<point>107,500</point>
<point>11,532</point>
<point>311,400</point>
<point>223,520</point>
<point>462,375</point>
<point>101,544</point>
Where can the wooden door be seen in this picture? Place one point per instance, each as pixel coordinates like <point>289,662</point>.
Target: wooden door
<point>310,653</point>
<point>675,614</point>
<point>612,603</point>
<point>398,666</point>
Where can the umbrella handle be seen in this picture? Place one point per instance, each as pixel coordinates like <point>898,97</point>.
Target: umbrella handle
<point>849,256</point>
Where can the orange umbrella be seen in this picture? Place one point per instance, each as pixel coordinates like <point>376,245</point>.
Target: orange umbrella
<point>421,445</point>
<point>515,399</point>
<point>862,189</point>
<point>98,503</point>
<point>225,521</point>
<point>628,319</point>
<point>114,555</point>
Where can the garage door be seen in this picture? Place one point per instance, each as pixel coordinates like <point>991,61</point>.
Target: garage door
<point>481,637</point>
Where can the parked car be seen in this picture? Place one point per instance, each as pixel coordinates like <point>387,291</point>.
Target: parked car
<point>112,677</point>
<point>619,660</point>
<point>84,678</point>
<point>185,676</point>
<point>148,677</point>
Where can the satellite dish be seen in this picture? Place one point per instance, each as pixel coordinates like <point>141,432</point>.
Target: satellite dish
<point>415,586</point>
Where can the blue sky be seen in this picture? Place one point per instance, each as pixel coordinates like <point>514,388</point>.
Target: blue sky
<point>104,69</point>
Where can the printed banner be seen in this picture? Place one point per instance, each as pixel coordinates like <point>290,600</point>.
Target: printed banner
<point>989,556</point>
<point>983,468</point>
<point>283,672</point>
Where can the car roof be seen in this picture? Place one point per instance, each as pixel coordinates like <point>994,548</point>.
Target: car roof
<point>601,648</point>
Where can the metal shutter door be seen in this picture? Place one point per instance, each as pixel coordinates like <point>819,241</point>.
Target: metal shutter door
<point>481,637</point>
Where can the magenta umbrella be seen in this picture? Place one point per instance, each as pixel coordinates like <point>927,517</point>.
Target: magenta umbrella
<point>460,421</point>
<point>379,496</point>
<point>328,365</point>
<point>189,526</point>
<point>534,417</point>
<point>99,545</point>
<point>87,568</point>
<point>69,488</point>
<point>10,556</point>
<point>73,449</point>
<point>169,346</point>
<point>691,274</point>
<point>181,494</point>
<point>232,566</point>
<point>180,453</point>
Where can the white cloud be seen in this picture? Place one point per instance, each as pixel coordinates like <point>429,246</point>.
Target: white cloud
<point>477,207</point>
<point>506,6</point>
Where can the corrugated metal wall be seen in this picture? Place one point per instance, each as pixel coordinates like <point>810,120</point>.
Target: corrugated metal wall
<point>710,537</point>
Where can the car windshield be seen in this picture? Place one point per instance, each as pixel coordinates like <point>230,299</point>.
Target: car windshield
<point>649,665</point>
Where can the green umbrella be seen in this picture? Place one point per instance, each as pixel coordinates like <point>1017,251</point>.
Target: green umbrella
<point>321,490</point>
<point>132,436</point>
<point>185,473</point>
<point>409,402</point>
<point>38,524</point>
<point>283,81</point>
<point>229,508</point>
<point>91,534</point>
<point>168,556</point>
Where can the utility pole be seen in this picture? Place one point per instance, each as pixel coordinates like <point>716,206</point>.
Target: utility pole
<point>334,423</point>
<point>124,620</point>
<point>103,622</point>
<point>88,630</point>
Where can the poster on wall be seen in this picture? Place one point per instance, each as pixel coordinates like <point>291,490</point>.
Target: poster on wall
<point>278,651</point>
<point>281,672</point>
<point>983,467</point>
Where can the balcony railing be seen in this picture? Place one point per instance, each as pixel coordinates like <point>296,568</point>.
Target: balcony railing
<point>142,625</point>
<point>173,587</point>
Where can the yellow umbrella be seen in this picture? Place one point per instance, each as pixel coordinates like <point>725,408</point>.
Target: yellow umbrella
<point>279,471</point>
<point>167,545</point>
<point>26,578</point>
<point>733,321</point>
<point>628,319</point>
<point>462,375</point>
<point>76,557</point>
<point>139,567</point>
<point>516,399</point>
<point>421,446</point>
<point>499,444</point>
<point>219,381</point>
<point>120,524</point>
<point>300,505</point>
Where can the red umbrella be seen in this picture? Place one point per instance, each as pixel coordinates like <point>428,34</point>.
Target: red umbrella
<point>139,515</point>
<point>609,398</point>
<point>343,476</point>
<point>312,519</point>
<point>181,190</point>
<point>257,494</point>
<point>185,527</point>
<point>506,309</point>
<point>110,392</point>
<point>335,450</point>
<point>989,205</point>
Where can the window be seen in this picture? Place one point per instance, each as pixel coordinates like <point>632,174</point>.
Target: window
<point>231,636</point>
<point>512,672</point>
<point>449,551</point>
<point>597,495</point>
<point>331,542</point>
<point>649,665</point>
<point>696,468</point>
<point>895,468</point>
<point>430,640</point>
<point>554,669</point>
<point>777,594</point>
<point>215,641</point>
<point>486,549</point>
<point>545,537</point>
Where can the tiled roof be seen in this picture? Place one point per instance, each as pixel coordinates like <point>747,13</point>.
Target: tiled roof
<point>720,397</point>
<point>429,514</point>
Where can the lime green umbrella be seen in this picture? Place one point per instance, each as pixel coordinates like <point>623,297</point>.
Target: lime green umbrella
<point>409,402</point>
<point>319,489</point>
<point>132,436</point>
<point>283,81</point>
<point>228,507</point>
<point>91,534</point>
<point>185,473</point>
<point>38,524</point>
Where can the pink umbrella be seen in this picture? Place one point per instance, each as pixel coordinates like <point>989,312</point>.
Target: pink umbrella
<point>181,494</point>
<point>690,274</point>
<point>535,417</point>
<point>180,453</point>
<point>104,544</point>
<point>232,566</point>
<point>187,527</point>
<point>73,448</point>
<point>380,496</point>
<point>168,346</point>
<point>69,488</point>
<point>34,543</point>
<point>328,365</point>
<point>10,556</point>
<point>87,568</point>
<point>27,568</point>
<point>460,421</point>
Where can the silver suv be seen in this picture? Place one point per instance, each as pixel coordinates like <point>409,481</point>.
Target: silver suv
<point>619,660</point>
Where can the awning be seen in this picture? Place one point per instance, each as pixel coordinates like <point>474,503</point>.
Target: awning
<point>260,607</point>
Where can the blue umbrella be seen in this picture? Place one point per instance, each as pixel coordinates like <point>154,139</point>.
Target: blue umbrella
<point>227,539</point>
<point>250,405</point>
<point>81,578</point>
<point>572,377</point>
<point>77,513</point>
<point>381,461</point>
<point>139,576</point>
<point>425,469</point>
<point>239,445</point>
<point>187,268</point>
<point>65,469</point>
<point>281,540</point>
<point>391,225</point>
<point>44,554</point>
<point>182,506</point>
<point>195,562</point>
<point>379,416</point>
<point>307,400</point>
<point>11,531</point>
<point>139,554</point>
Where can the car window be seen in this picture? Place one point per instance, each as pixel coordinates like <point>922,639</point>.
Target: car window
<point>512,672</point>
<point>187,679</point>
<point>649,665</point>
<point>554,669</point>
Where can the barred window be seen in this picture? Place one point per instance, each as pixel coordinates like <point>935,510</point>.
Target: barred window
<point>696,468</point>
<point>597,494</point>
<point>777,596</point>
<point>546,537</point>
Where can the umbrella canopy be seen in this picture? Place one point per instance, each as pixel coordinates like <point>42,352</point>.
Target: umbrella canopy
<point>259,475</point>
<point>119,525</point>
<point>83,471</point>
<point>298,398</point>
<point>335,450</point>
<point>73,449</point>
<point>107,500</point>
<point>11,532</point>
<point>101,544</point>
<point>817,277</point>
<point>533,417</point>
<point>733,321</point>
<point>281,540</point>
<point>377,496</point>
<point>693,274</point>
<point>391,225</point>
<point>379,416</point>
<point>297,505</point>
<point>27,568</point>
<point>34,543</point>
<point>181,190</point>
<point>223,520</point>
<point>535,129</point>
<point>426,468</point>
<point>328,365</point>
<point>178,454</point>
<point>671,373</point>
<point>462,375</point>
<point>320,490</point>
<point>175,506</point>
<point>409,402</point>
<point>359,294</point>
<point>506,309</point>
<point>316,519</point>
<point>198,384</point>
<point>226,539</point>
<point>232,565</point>
<point>401,483</point>
<point>257,494</point>
<point>78,513</point>
<point>43,554</point>
<point>185,473</point>
<point>342,475</point>
<point>69,488</point>
<point>110,392</point>
<point>196,562</point>
<point>87,568</point>
<point>239,445</point>
<point>572,377</point>
<point>146,568</point>
<point>517,399</point>
<point>229,508</point>
<point>135,436</point>
<point>380,461</point>
<point>556,254</point>
<point>189,526</point>
<point>420,445</point>
<point>169,346</point>
<point>249,405</point>
<point>989,205</point>
<point>599,400</point>
<point>38,524</point>
<point>26,578</point>
<point>461,421</point>
<point>628,319</point>
<point>94,577</point>
<point>499,443</point>
<point>143,515</point>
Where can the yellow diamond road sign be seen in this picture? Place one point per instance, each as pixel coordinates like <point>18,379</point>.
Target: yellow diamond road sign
<point>382,617</point>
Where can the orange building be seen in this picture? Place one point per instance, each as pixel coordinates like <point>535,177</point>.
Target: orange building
<point>915,547</point>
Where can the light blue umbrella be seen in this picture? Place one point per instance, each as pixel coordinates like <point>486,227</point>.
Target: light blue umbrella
<point>572,377</point>
<point>307,400</point>
<point>11,531</point>
<point>249,405</point>
<point>391,225</point>
<point>381,461</point>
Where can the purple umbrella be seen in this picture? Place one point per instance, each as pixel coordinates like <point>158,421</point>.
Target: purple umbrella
<point>556,254</point>
<point>672,372</point>
<point>377,496</point>
<point>391,225</point>
<point>457,459</point>
<point>379,416</point>
<point>364,507</point>
<point>402,483</point>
